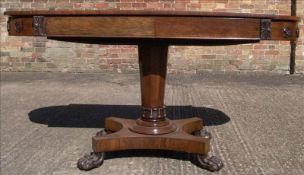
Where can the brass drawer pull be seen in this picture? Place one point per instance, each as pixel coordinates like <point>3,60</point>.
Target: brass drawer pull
<point>286,32</point>
<point>18,26</point>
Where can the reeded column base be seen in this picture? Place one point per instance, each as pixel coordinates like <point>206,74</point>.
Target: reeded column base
<point>153,128</point>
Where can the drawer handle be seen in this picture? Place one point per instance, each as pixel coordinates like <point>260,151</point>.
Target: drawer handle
<point>18,26</point>
<point>286,32</point>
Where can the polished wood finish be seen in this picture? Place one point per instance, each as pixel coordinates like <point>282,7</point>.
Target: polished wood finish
<point>163,25</point>
<point>26,22</point>
<point>277,30</point>
<point>153,58</point>
<point>207,28</point>
<point>147,13</point>
<point>100,26</point>
<point>181,140</point>
<point>153,32</point>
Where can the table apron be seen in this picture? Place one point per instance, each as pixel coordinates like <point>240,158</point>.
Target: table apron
<point>148,27</point>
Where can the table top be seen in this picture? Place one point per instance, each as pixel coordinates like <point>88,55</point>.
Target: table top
<point>137,24</point>
<point>147,13</point>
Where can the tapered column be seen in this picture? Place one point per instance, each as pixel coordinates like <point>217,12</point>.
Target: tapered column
<point>153,68</point>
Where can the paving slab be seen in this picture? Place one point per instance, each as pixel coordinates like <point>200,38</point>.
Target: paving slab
<point>48,119</point>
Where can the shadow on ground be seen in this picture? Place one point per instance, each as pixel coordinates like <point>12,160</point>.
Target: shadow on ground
<point>93,116</point>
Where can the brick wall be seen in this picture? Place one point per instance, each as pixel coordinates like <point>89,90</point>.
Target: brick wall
<point>39,54</point>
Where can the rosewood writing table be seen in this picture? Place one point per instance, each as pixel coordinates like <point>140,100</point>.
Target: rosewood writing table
<point>153,32</point>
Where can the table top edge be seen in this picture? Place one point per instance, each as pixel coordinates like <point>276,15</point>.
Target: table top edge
<point>145,13</point>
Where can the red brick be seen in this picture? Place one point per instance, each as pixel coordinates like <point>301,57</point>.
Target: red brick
<point>101,5</point>
<point>124,5</point>
<point>139,5</point>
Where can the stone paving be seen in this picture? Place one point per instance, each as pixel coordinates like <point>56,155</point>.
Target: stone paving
<point>47,120</point>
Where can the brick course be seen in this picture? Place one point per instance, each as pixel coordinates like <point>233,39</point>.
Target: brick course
<point>40,54</point>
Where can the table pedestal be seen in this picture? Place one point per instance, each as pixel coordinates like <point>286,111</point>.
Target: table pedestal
<point>152,130</point>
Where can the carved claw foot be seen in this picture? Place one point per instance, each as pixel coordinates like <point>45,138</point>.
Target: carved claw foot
<point>203,133</point>
<point>209,163</point>
<point>94,159</point>
<point>203,160</point>
<point>103,132</point>
<point>91,161</point>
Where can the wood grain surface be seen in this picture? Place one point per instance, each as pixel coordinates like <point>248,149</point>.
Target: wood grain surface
<point>146,13</point>
<point>124,139</point>
<point>172,27</point>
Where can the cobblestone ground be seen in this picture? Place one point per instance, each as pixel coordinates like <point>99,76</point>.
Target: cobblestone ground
<point>47,120</point>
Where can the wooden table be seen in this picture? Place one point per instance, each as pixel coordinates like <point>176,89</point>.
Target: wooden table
<point>153,32</point>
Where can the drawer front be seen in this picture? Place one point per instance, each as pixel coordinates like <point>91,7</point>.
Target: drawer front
<point>153,27</point>
<point>207,28</point>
